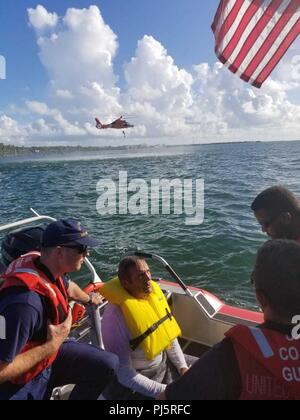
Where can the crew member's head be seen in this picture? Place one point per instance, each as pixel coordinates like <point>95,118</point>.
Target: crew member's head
<point>20,242</point>
<point>66,243</point>
<point>277,210</point>
<point>276,277</point>
<point>135,277</point>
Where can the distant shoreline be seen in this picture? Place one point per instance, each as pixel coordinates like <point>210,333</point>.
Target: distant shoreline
<point>11,150</point>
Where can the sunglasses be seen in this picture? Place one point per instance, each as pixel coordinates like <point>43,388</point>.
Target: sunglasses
<point>267,223</point>
<point>81,249</point>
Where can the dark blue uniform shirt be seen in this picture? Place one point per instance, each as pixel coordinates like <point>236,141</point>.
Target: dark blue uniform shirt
<point>216,375</point>
<point>26,314</point>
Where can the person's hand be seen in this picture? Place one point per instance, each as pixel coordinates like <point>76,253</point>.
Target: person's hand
<point>57,334</point>
<point>95,299</point>
<point>183,371</point>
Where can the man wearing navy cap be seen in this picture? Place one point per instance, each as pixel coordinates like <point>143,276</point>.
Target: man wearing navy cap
<point>34,358</point>
<point>67,242</point>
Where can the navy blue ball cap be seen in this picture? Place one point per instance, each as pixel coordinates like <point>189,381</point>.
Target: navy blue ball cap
<point>67,231</point>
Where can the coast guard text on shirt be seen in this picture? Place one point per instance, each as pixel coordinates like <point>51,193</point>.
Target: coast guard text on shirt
<point>2,328</point>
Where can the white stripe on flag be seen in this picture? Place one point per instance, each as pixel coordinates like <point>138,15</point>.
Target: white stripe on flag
<point>228,37</point>
<point>256,46</point>
<point>248,30</point>
<point>275,46</point>
<point>224,15</point>
<point>256,36</point>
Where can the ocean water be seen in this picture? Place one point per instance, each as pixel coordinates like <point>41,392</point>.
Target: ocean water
<point>216,255</point>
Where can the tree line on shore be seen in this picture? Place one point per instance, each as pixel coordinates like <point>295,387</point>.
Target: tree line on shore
<point>11,150</point>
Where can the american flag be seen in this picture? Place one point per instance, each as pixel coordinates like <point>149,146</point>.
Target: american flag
<point>253,35</point>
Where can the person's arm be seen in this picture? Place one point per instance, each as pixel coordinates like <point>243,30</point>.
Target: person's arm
<point>26,361</point>
<point>161,396</point>
<point>215,376</point>
<point>175,354</point>
<point>116,339</point>
<point>77,294</point>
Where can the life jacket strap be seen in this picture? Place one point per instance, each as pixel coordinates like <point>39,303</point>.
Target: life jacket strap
<point>135,342</point>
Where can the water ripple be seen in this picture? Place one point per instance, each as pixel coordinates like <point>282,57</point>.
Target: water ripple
<point>217,255</point>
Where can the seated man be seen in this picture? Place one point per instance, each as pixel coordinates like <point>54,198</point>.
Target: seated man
<point>34,357</point>
<point>135,304</point>
<point>259,363</point>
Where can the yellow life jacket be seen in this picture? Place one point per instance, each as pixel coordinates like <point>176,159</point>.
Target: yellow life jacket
<point>141,314</point>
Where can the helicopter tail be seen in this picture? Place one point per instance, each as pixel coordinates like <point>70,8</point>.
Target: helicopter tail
<point>98,123</point>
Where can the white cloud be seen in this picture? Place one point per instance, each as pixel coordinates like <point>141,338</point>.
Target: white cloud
<point>62,125</point>
<point>78,55</point>
<point>288,70</point>
<point>37,107</point>
<point>80,51</point>
<point>40,19</point>
<point>64,93</point>
<point>158,89</point>
<point>244,112</point>
<point>40,128</point>
<point>153,77</point>
<point>9,128</point>
<point>206,103</point>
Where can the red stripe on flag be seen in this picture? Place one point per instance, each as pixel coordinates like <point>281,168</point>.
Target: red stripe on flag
<point>229,21</point>
<point>220,10</point>
<point>259,54</point>
<point>255,34</point>
<point>290,38</point>
<point>276,31</point>
<point>250,12</point>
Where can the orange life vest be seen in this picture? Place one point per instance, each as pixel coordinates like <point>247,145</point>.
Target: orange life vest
<point>268,362</point>
<point>23,272</point>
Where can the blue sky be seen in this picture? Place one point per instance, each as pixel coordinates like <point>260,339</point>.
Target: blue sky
<point>38,106</point>
<point>174,26</point>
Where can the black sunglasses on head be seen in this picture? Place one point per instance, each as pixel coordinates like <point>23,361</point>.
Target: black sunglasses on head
<point>82,249</point>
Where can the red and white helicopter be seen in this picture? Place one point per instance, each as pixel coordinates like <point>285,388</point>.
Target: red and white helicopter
<point>118,124</point>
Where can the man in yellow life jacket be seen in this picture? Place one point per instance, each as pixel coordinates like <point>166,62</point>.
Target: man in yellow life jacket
<point>138,326</point>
